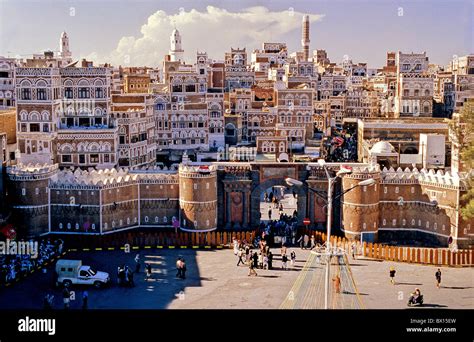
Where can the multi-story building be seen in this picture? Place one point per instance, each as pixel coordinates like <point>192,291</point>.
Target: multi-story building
<point>7,82</point>
<point>414,93</point>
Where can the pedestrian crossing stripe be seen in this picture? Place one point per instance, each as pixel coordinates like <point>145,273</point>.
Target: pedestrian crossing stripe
<point>135,247</point>
<point>111,248</point>
<point>159,246</point>
<point>86,249</point>
<point>147,247</point>
<point>207,246</point>
<point>98,249</point>
<point>183,246</point>
<point>195,247</point>
<point>171,247</point>
<point>122,248</point>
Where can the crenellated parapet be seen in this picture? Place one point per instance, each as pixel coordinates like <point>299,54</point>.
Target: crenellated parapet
<point>31,172</point>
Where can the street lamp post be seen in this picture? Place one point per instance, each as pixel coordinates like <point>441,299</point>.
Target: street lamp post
<point>331,180</point>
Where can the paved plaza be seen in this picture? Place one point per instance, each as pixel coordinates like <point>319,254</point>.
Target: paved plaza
<point>213,281</point>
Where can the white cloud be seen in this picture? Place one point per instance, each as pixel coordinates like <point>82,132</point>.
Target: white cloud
<point>213,31</point>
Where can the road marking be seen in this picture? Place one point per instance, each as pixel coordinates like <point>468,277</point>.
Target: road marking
<point>195,247</point>
<point>207,246</point>
<point>159,246</point>
<point>85,249</point>
<point>98,249</point>
<point>170,247</point>
<point>135,247</point>
<point>147,247</point>
<point>72,250</point>
<point>111,248</point>
<point>183,246</point>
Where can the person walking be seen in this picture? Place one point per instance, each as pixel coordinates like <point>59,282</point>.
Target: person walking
<point>293,258</point>
<point>66,297</point>
<point>240,254</point>
<point>270,260</point>
<point>301,242</point>
<point>137,263</point>
<point>438,278</point>
<point>183,269</point>
<point>247,253</point>
<point>48,301</point>
<point>392,275</point>
<point>313,242</point>
<point>353,250</point>
<point>265,262</point>
<point>148,271</point>
<point>255,260</point>
<point>85,299</point>
<point>252,269</point>
<point>306,241</point>
<point>337,284</point>
<point>281,209</point>
<point>178,267</point>
<point>284,260</point>
<point>270,213</point>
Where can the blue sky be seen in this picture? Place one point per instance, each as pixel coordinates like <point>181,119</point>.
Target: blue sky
<point>111,29</point>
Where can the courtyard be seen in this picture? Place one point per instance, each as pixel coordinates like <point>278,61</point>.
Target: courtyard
<point>213,281</point>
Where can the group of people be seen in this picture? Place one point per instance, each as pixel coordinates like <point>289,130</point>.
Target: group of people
<point>13,266</point>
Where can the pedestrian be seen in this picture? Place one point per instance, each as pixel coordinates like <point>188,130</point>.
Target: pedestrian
<point>85,299</point>
<point>438,278</point>
<point>306,241</point>
<point>293,258</point>
<point>265,197</point>
<point>178,268</point>
<point>284,260</point>
<point>354,250</point>
<point>247,253</point>
<point>255,260</point>
<point>301,242</point>
<point>240,254</point>
<point>148,271</point>
<point>392,275</point>
<point>137,263</point>
<point>252,269</point>
<point>270,260</point>
<point>183,269</point>
<point>66,297</point>
<point>313,242</point>
<point>281,209</point>
<point>283,249</point>
<point>48,301</point>
<point>337,284</point>
<point>260,260</point>
<point>265,262</point>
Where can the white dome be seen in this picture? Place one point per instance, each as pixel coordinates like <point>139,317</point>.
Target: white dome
<point>382,147</point>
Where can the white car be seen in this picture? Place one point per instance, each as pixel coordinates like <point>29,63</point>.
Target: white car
<point>71,272</point>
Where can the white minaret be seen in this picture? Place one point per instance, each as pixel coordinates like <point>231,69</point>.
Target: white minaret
<point>305,37</point>
<point>64,52</point>
<point>176,51</point>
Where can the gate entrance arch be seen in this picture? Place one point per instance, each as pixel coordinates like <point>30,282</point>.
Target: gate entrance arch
<point>257,191</point>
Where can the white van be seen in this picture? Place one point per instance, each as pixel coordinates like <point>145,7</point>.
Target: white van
<point>71,272</point>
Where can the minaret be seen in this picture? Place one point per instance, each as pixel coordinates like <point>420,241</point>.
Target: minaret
<point>176,51</point>
<point>64,51</point>
<point>305,37</point>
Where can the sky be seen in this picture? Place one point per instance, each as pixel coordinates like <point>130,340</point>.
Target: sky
<point>136,32</point>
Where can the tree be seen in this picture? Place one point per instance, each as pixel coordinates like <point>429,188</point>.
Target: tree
<point>463,128</point>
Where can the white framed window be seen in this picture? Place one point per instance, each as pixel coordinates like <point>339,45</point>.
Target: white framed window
<point>165,219</point>
<point>404,222</point>
<point>397,189</point>
<point>444,227</point>
<point>413,222</point>
<point>106,225</point>
<point>419,223</point>
<point>364,188</point>
<point>37,191</point>
<point>364,226</point>
<point>385,189</point>
<point>195,223</point>
<point>435,226</point>
<point>23,191</point>
<point>157,219</point>
<point>146,219</point>
<point>113,224</point>
<point>412,189</point>
<point>207,223</point>
<point>427,224</point>
<point>394,222</point>
<point>69,225</point>
<point>128,220</point>
<point>93,226</point>
<point>384,222</point>
<point>60,226</point>
<point>207,185</point>
<point>120,222</point>
<point>76,226</point>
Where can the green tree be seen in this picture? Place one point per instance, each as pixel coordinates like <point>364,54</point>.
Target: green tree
<point>463,129</point>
